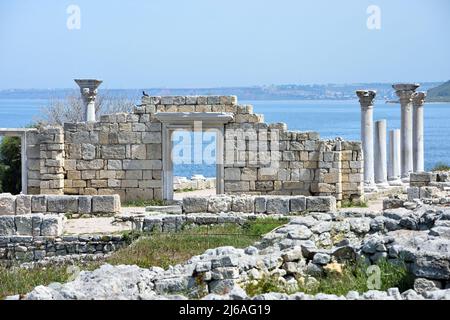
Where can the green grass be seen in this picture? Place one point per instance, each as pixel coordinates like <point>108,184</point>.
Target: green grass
<point>354,204</point>
<point>164,249</point>
<point>441,166</point>
<point>20,281</point>
<point>157,249</point>
<point>353,278</point>
<point>143,203</point>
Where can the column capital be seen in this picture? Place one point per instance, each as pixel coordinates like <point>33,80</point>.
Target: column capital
<point>405,91</point>
<point>366,97</point>
<point>418,99</point>
<point>88,88</point>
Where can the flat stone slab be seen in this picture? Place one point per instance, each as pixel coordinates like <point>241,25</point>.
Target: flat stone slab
<point>174,209</point>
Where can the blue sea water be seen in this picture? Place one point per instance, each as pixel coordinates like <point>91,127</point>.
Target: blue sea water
<point>330,118</point>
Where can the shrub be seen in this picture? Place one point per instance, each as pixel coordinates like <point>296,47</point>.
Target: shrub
<point>10,165</point>
<point>441,166</point>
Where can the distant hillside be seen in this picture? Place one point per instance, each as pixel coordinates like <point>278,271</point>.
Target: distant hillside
<point>440,93</point>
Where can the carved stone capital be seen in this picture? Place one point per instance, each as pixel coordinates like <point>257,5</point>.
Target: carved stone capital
<point>88,88</point>
<point>405,91</point>
<point>366,98</point>
<point>418,99</point>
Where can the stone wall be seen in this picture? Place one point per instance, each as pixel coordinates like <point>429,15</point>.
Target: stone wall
<point>25,249</point>
<point>32,225</point>
<point>283,205</point>
<point>122,154</point>
<point>54,204</point>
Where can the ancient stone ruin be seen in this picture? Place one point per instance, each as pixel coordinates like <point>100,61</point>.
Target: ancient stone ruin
<point>87,169</point>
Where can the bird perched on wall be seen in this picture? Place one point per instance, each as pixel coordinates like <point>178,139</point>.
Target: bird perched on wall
<point>144,94</point>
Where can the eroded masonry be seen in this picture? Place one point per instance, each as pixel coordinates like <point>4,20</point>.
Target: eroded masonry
<point>129,154</point>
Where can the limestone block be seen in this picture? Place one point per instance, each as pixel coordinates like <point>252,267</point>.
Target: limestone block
<point>113,152</point>
<point>114,164</point>
<point>233,174</point>
<point>154,151</point>
<point>23,204</point>
<point>52,225</point>
<point>142,164</point>
<point>195,204</point>
<point>297,204</point>
<point>7,226</point>
<point>24,225</point>
<point>139,151</point>
<point>321,204</point>
<point>7,204</point>
<point>277,205</point>
<point>243,204</point>
<point>239,186</point>
<point>62,204</point>
<point>97,164</point>
<point>413,193</point>
<point>429,192</point>
<point>264,185</point>
<point>221,203</point>
<point>36,220</point>
<point>260,204</point>
<point>84,204</point>
<point>106,204</point>
<point>87,151</point>
<point>39,203</point>
<point>151,137</point>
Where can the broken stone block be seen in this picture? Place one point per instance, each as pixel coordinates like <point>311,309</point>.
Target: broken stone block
<point>23,204</point>
<point>321,203</point>
<point>62,204</point>
<point>24,225</point>
<point>52,225</point>
<point>277,205</point>
<point>298,204</point>
<point>7,204</point>
<point>7,226</point>
<point>106,204</point>
<point>195,204</point>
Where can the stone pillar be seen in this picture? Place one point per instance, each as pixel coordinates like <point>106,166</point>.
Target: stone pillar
<point>366,98</point>
<point>418,150</point>
<point>88,88</point>
<point>380,157</point>
<point>405,91</point>
<point>394,158</point>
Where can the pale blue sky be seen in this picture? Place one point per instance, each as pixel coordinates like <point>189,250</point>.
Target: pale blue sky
<point>205,43</point>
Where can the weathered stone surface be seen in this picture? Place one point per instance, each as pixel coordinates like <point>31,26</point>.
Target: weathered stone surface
<point>24,225</point>
<point>218,204</point>
<point>243,204</point>
<point>277,205</point>
<point>52,225</point>
<point>322,204</point>
<point>7,226</point>
<point>195,204</point>
<point>62,204</point>
<point>23,204</point>
<point>106,204</point>
<point>298,204</point>
<point>7,204</point>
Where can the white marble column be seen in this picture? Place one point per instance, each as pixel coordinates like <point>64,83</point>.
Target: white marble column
<point>418,150</point>
<point>88,89</point>
<point>380,157</point>
<point>405,91</point>
<point>366,98</point>
<point>394,158</point>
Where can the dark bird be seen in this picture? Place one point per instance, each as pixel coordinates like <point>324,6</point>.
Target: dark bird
<point>145,95</point>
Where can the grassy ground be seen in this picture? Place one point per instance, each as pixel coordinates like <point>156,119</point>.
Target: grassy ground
<point>159,249</point>
<point>143,203</point>
<point>353,278</point>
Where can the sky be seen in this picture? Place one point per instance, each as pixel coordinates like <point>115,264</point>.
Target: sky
<point>222,43</point>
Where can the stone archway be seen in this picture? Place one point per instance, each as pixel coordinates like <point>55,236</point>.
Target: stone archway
<point>192,121</point>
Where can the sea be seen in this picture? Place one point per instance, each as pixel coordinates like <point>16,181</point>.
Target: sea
<point>331,118</point>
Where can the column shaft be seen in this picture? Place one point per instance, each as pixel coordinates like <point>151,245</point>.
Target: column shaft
<point>380,157</point>
<point>394,157</point>
<point>418,144</point>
